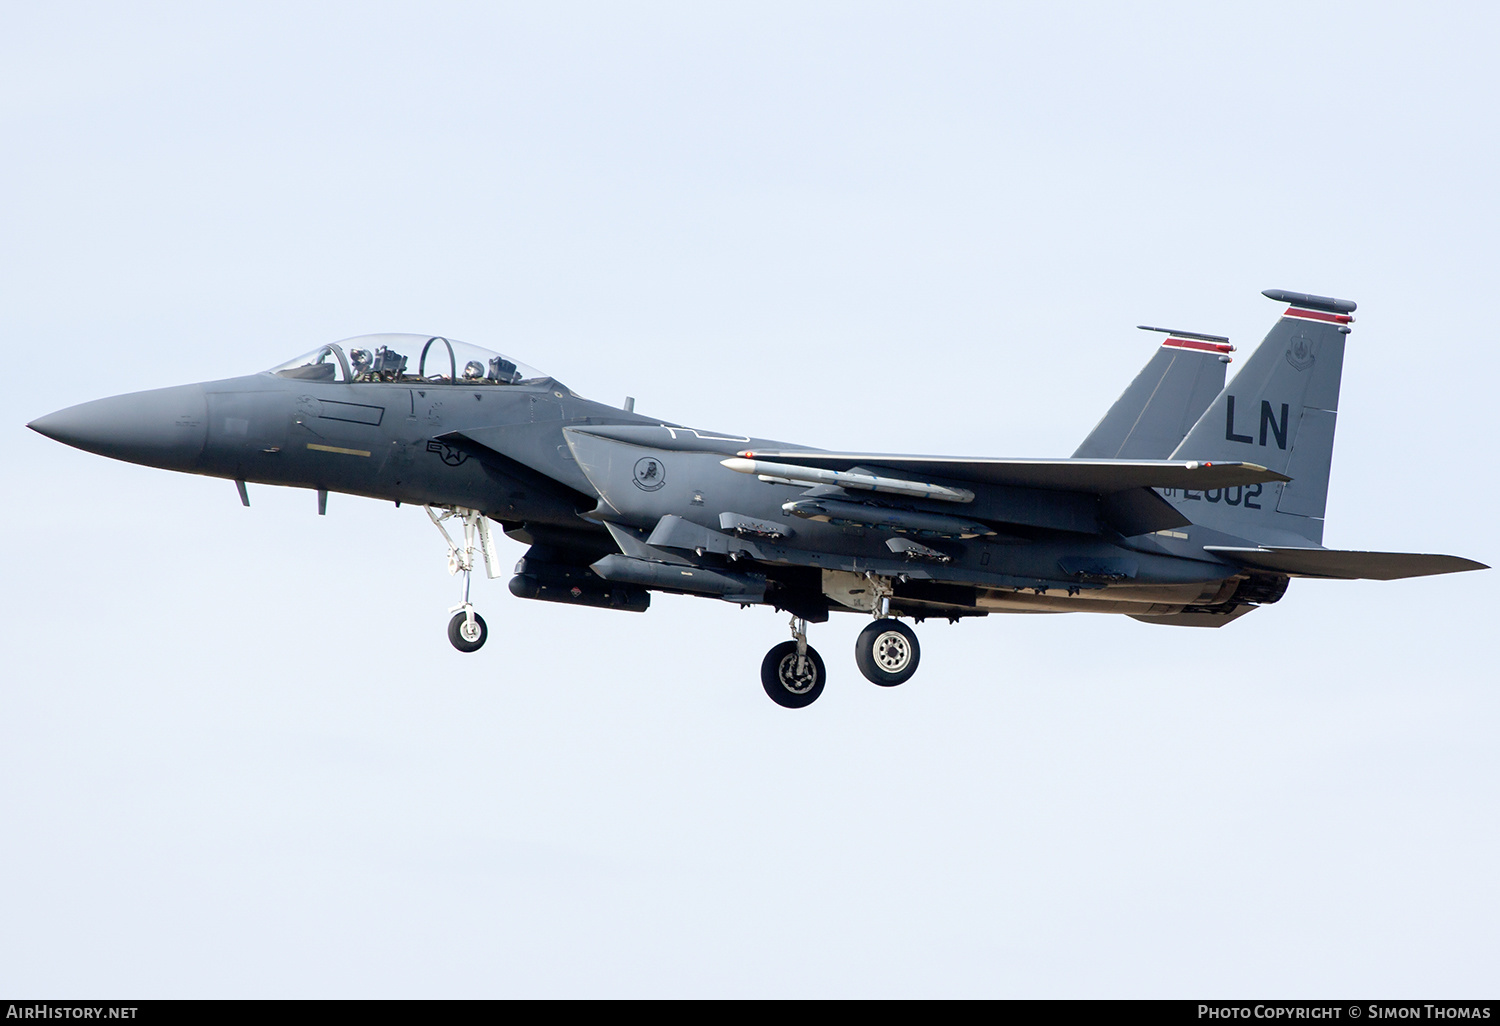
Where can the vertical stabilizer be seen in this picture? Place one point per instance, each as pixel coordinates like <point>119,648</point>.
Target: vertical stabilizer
<point>1166,398</point>
<point>1279,411</point>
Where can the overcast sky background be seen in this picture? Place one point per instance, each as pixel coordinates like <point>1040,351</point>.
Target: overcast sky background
<point>239,756</point>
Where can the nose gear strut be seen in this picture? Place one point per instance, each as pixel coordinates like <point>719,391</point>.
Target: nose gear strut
<point>467,630</point>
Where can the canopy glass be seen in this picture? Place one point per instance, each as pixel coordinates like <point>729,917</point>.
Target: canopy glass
<point>408,358</point>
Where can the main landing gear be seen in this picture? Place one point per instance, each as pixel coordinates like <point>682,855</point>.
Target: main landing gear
<point>792,673</point>
<point>886,652</point>
<point>467,630</point>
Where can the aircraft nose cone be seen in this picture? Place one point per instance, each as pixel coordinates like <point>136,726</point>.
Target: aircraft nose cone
<point>165,427</point>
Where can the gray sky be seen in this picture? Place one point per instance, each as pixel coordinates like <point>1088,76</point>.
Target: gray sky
<point>240,757</point>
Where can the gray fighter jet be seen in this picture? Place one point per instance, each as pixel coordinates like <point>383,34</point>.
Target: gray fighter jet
<point>1190,504</point>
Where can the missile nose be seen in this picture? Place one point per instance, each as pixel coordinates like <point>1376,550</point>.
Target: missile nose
<point>165,427</point>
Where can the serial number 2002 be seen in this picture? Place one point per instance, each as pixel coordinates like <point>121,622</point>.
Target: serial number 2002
<point>1246,494</point>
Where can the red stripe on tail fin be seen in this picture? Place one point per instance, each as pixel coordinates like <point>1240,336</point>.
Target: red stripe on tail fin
<point>1317,315</point>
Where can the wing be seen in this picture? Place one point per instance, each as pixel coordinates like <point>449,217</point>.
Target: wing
<point>1100,477</point>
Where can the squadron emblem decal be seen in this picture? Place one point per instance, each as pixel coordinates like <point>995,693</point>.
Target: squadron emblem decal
<point>649,474</point>
<point>1299,354</point>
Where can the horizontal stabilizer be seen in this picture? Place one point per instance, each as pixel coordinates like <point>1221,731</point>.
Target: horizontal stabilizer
<point>1100,477</point>
<point>1345,565</point>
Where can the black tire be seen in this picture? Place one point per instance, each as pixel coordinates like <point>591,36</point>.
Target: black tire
<point>778,676</point>
<point>455,633</point>
<point>887,653</point>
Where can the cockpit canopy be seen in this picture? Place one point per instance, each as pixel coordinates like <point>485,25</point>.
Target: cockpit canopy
<point>389,357</point>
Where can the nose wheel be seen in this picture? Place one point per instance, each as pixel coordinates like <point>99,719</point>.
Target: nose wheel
<point>887,652</point>
<point>792,673</point>
<point>467,630</point>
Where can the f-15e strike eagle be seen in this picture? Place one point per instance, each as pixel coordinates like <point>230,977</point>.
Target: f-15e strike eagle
<point>1190,504</point>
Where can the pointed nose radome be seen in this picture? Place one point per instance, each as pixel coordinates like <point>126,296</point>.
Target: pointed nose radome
<point>165,427</point>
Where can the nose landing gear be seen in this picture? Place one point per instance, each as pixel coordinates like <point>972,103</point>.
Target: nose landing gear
<point>792,673</point>
<point>467,630</point>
